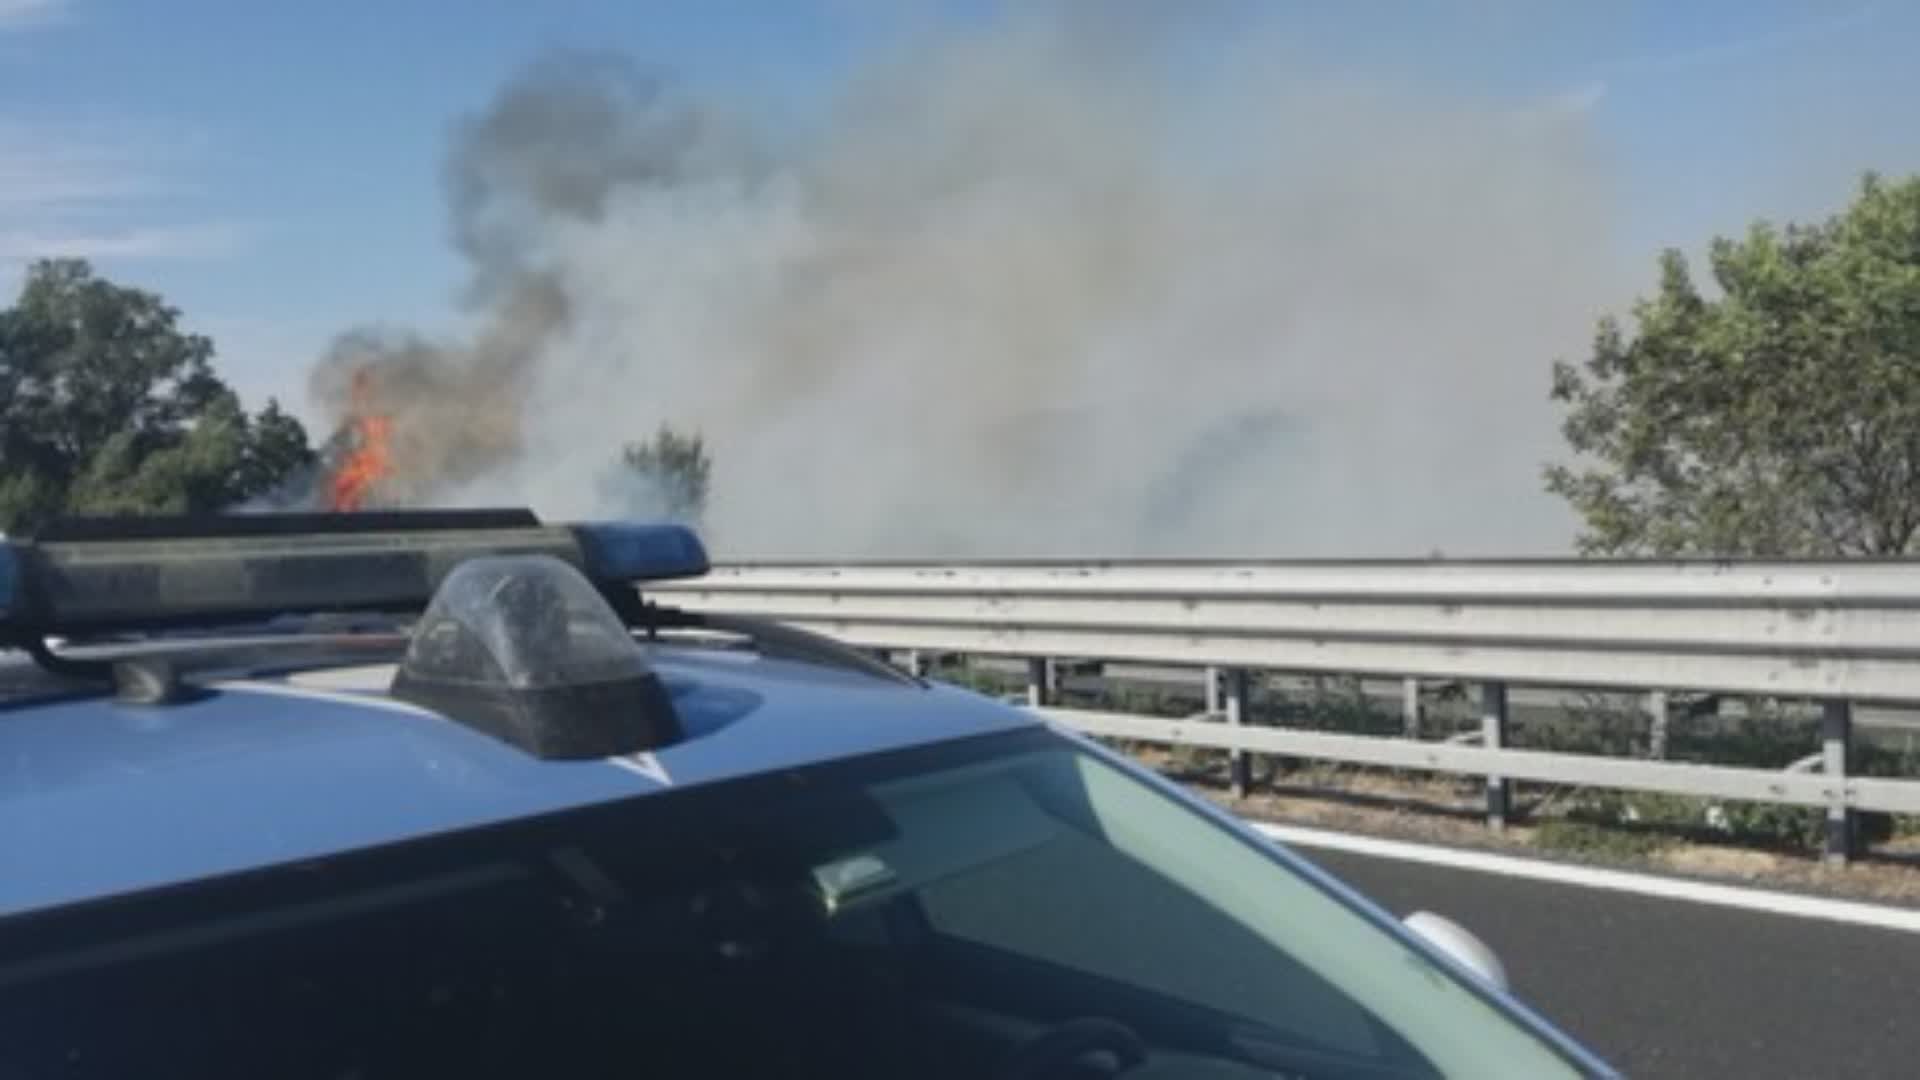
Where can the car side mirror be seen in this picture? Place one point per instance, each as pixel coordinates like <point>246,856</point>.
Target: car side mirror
<point>1460,944</point>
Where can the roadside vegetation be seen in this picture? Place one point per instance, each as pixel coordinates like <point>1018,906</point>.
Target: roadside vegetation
<point>109,405</point>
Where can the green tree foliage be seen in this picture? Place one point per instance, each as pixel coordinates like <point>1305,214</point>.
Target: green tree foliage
<point>674,468</point>
<point>106,407</point>
<point>1778,414</point>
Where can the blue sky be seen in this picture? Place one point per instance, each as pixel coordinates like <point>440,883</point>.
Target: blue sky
<point>273,169</point>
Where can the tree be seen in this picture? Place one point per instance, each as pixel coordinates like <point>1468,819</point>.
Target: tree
<point>1778,415</point>
<point>107,407</point>
<point>673,470</point>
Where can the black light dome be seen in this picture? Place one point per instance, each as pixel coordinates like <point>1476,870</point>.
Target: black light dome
<point>527,650</point>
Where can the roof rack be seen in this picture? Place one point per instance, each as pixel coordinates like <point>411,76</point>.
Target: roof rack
<point>115,575</point>
<point>96,577</point>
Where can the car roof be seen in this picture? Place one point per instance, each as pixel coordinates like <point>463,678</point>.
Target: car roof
<point>100,797</point>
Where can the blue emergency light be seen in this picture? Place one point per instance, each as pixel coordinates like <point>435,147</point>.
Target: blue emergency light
<point>90,576</point>
<point>633,554</point>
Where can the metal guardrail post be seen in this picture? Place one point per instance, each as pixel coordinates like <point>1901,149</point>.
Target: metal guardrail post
<point>1836,736</point>
<point>1039,682</point>
<point>1235,691</point>
<point>918,664</point>
<point>1493,735</point>
<point>1216,691</point>
<point>1410,707</point>
<point>1657,724</point>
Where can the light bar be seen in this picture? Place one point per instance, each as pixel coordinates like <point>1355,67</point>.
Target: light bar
<point>158,574</point>
<point>621,552</point>
<point>529,651</point>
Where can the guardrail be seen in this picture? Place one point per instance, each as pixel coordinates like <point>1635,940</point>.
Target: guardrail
<point>1838,633</point>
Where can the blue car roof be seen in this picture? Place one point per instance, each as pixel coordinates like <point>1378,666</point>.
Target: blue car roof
<point>99,798</point>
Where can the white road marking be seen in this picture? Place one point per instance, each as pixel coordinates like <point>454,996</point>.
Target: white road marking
<point>1856,912</point>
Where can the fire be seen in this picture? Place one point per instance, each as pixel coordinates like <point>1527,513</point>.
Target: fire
<point>369,457</point>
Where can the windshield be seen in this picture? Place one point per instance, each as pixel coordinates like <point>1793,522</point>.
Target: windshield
<point>1009,906</point>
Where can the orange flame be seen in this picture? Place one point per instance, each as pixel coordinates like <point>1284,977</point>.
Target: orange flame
<point>369,461</point>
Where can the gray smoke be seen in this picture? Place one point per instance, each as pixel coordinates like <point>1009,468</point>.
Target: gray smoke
<point>1026,290</point>
<point>554,145</point>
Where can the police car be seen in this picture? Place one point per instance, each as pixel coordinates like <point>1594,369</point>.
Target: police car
<point>443,794</point>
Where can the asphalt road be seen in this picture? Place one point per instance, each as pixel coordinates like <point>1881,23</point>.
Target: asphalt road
<point>1674,988</point>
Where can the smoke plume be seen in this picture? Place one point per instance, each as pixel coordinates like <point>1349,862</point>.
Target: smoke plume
<point>1026,289</point>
